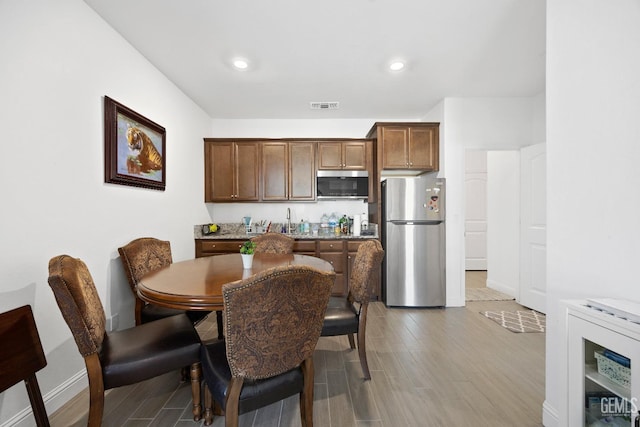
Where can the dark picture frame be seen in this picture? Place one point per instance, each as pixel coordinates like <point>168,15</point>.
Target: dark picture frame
<point>134,148</point>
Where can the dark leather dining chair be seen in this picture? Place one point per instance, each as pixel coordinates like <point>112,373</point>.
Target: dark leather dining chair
<point>21,356</point>
<point>273,243</point>
<point>142,256</point>
<point>272,325</point>
<point>348,315</point>
<point>118,358</point>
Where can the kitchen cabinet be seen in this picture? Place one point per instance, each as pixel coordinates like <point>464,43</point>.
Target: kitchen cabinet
<point>407,146</point>
<point>210,247</point>
<point>288,171</point>
<point>338,155</point>
<point>304,247</point>
<point>232,171</point>
<point>333,251</point>
<point>599,390</point>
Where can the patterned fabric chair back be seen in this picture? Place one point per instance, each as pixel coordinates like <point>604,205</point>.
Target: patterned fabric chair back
<point>273,320</point>
<point>79,302</point>
<point>365,266</point>
<point>273,243</point>
<point>140,256</point>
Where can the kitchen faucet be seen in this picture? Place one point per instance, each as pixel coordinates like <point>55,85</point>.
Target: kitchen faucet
<point>288,220</point>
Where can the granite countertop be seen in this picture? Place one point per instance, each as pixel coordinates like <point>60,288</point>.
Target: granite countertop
<point>232,231</point>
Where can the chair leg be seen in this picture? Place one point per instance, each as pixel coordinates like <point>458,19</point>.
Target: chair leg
<point>208,404</point>
<point>233,402</point>
<point>352,342</point>
<point>35,397</point>
<point>306,396</point>
<point>362,351</point>
<point>196,377</point>
<point>96,390</point>
<point>219,323</point>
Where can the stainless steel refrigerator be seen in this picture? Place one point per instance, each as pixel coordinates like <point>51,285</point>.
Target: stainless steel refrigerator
<point>413,236</point>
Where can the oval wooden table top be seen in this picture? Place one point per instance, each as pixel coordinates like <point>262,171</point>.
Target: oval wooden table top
<point>196,284</point>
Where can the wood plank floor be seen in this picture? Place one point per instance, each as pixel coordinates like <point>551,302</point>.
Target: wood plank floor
<point>429,367</point>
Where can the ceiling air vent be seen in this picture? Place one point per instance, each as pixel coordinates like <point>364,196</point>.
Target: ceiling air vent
<point>324,105</point>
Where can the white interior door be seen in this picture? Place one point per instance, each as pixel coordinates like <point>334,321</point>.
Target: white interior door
<point>475,226</point>
<point>533,227</point>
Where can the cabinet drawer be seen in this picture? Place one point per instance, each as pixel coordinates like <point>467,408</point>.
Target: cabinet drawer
<point>353,245</point>
<point>221,247</point>
<point>304,246</point>
<point>330,245</point>
<point>336,259</point>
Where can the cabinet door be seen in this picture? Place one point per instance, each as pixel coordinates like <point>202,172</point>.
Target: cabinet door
<point>342,155</point>
<point>247,171</point>
<point>394,147</point>
<point>423,148</point>
<point>219,160</point>
<point>329,155</point>
<point>302,175</point>
<point>354,155</point>
<point>275,171</point>
<point>333,252</point>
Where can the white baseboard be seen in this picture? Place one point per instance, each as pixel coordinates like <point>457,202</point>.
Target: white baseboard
<point>501,287</point>
<point>549,415</point>
<point>53,400</point>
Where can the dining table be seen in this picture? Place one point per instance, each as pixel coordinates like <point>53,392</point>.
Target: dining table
<point>196,284</point>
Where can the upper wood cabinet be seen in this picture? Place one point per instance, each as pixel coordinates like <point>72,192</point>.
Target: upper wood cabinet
<point>413,146</point>
<point>350,155</point>
<point>232,171</point>
<point>288,171</point>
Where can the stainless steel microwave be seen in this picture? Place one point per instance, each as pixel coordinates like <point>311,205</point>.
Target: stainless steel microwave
<point>332,185</point>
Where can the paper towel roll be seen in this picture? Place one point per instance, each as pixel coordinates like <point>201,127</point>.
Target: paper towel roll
<point>356,225</point>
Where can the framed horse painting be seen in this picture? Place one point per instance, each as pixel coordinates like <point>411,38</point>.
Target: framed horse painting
<point>134,148</point>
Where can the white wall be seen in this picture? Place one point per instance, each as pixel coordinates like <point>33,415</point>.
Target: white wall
<point>479,123</point>
<point>593,105</point>
<point>503,214</point>
<point>58,61</point>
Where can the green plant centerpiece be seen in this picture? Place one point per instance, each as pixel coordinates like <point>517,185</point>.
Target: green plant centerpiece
<point>248,248</point>
<point>246,252</point>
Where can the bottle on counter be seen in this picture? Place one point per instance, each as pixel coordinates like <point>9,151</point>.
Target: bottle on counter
<point>333,224</point>
<point>364,221</point>
<point>344,225</point>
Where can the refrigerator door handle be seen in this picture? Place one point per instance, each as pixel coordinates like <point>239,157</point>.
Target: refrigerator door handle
<point>414,222</point>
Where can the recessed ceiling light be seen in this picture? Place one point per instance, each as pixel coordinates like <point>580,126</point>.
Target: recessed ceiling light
<point>396,66</point>
<point>240,64</point>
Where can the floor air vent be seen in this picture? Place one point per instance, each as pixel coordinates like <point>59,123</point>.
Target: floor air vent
<point>324,105</point>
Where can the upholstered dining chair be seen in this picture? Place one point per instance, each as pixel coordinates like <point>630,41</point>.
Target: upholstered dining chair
<point>142,256</point>
<point>21,356</point>
<point>348,315</point>
<point>118,358</point>
<point>272,325</point>
<point>273,243</point>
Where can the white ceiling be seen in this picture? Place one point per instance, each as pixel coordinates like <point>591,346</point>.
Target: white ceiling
<point>337,50</point>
